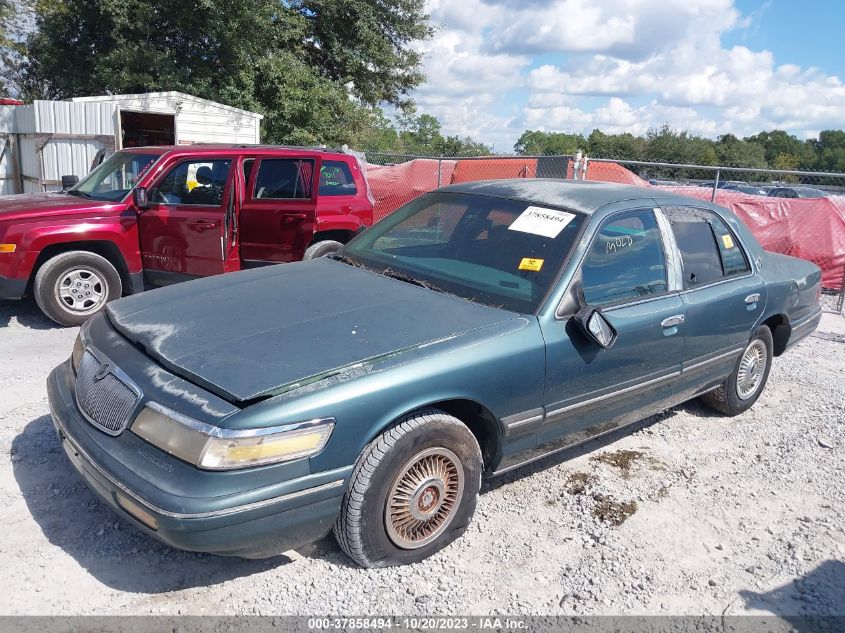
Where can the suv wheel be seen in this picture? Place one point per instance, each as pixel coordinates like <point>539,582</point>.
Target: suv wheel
<point>413,491</point>
<point>745,384</point>
<point>72,286</point>
<point>321,249</point>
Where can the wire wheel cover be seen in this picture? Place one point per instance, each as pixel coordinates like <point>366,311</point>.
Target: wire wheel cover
<point>752,366</point>
<point>424,497</point>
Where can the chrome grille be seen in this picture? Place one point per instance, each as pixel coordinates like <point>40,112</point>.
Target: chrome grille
<point>106,400</point>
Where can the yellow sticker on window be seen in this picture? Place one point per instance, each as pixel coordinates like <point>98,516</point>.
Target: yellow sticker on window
<point>727,240</point>
<point>529,263</point>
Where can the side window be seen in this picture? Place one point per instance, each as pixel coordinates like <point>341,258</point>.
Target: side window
<point>625,260</point>
<point>283,179</point>
<point>247,167</point>
<point>733,259</point>
<point>199,182</point>
<point>336,179</point>
<point>709,251</point>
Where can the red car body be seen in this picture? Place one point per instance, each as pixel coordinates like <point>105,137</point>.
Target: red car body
<point>168,241</point>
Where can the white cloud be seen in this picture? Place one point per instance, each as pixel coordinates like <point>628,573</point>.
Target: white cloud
<point>604,59</point>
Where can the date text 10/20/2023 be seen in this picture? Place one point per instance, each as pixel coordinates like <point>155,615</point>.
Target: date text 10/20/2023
<point>415,623</point>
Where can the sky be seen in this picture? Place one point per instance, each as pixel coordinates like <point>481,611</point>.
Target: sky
<point>498,67</point>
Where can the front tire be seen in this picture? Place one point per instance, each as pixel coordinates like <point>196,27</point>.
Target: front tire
<point>745,384</point>
<point>73,286</point>
<point>413,491</point>
<point>321,249</point>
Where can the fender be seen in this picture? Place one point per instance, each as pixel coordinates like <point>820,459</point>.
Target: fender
<point>32,237</point>
<point>338,222</point>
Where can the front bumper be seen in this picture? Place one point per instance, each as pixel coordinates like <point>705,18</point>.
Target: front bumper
<point>258,529</point>
<point>12,288</point>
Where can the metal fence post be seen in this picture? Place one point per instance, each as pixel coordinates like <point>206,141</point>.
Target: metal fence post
<point>840,309</point>
<point>715,186</point>
<point>439,169</point>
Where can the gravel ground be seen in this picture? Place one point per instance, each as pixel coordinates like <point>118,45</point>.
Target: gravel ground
<point>691,513</point>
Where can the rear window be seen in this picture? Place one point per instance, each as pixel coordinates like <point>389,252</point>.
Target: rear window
<point>336,179</point>
<point>283,179</point>
<point>709,250</point>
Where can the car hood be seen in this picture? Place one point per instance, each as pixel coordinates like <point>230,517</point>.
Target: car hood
<point>36,204</point>
<point>250,334</point>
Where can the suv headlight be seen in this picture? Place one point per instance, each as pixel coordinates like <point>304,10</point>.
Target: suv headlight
<point>212,448</point>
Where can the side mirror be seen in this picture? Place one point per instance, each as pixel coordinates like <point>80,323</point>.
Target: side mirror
<point>595,327</point>
<point>69,181</point>
<point>139,196</point>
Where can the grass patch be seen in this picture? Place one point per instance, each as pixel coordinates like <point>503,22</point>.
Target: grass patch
<point>609,510</point>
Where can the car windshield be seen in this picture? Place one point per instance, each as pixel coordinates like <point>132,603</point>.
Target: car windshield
<point>500,252</point>
<point>115,177</point>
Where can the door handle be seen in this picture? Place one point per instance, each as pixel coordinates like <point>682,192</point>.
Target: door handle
<point>752,298</point>
<point>290,218</point>
<point>203,225</point>
<point>672,321</point>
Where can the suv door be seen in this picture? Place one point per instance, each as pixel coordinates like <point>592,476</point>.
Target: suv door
<point>724,296</point>
<point>181,233</point>
<point>590,390</point>
<point>277,216</point>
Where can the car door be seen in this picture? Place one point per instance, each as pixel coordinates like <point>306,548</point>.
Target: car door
<point>279,207</point>
<point>590,390</point>
<point>724,296</point>
<point>182,232</point>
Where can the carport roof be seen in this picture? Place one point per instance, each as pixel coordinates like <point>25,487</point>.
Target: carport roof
<point>585,196</point>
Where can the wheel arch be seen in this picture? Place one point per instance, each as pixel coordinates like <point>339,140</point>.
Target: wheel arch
<point>105,249</point>
<point>483,424</point>
<point>335,235</point>
<point>781,331</point>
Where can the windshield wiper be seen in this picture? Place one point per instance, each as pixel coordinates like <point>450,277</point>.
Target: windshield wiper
<point>76,192</point>
<point>394,274</point>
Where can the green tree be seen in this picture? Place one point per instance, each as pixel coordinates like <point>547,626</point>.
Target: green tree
<point>778,142</point>
<point>315,68</point>
<point>670,146</point>
<point>622,146</point>
<point>831,151</point>
<point>734,152</point>
<point>538,143</point>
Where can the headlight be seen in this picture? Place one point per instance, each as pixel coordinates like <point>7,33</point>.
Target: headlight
<point>79,346</point>
<point>212,448</point>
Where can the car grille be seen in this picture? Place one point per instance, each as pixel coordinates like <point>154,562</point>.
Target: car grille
<point>106,400</point>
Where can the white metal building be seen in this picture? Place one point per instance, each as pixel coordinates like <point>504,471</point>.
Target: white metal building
<point>45,140</point>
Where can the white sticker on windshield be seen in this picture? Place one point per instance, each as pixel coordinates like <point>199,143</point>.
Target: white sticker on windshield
<point>540,221</point>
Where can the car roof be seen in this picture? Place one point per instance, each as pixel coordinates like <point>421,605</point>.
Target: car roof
<point>211,148</point>
<point>585,196</point>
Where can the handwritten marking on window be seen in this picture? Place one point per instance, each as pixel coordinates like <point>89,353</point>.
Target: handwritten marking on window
<point>619,243</point>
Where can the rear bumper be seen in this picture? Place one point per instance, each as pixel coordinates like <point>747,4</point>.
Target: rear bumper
<point>12,288</point>
<point>255,530</point>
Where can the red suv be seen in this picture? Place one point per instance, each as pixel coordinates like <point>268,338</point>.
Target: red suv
<point>152,216</point>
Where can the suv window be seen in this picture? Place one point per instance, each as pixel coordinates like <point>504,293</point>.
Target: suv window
<point>199,182</point>
<point>709,250</point>
<point>283,179</point>
<point>625,260</point>
<point>336,179</point>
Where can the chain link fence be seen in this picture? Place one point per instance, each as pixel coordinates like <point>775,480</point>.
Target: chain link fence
<point>797,213</point>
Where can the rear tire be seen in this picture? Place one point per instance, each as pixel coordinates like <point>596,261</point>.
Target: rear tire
<point>413,491</point>
<point>73,286</point>
<point>741,389</point>
<point>321,249</point>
